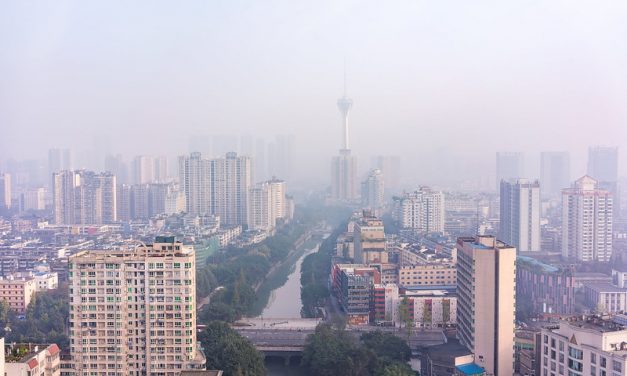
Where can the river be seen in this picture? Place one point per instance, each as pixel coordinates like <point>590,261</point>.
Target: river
<point>285,301</point>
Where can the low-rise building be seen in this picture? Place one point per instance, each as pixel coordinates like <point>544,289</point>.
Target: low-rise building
<point>584,346</point>
<point>547,289</point>
<point>352,286</point>
<point>427,274</point>
<point>18,292</point>
<point>605,297</point>
<point>31,359</point>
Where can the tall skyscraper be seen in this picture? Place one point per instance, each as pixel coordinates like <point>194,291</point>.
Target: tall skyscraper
<point>261,215</point>
<point>344,166</point>
<point>277,189</point>
<point>520,214</point>
<point>133,312</point>
<point>587,215</point>
<point>83,197</point>
<point>281,157</point>
<point>390,166</point>
<point>5,192</point>
<point>486,275</point>
<point>217,186</point>
<point>143,169</point>
<point>421,210</point>
<point>603,166</point>
<point>115,164</point>
<point>58,160</point>
<point>509,165</point>
<point>372,190</point>
<point>554,173</point>
<point>344,177</point>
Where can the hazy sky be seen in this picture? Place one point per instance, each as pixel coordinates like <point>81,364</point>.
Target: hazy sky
<point>445,84</point>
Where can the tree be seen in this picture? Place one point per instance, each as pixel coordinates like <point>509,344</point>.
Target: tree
<point>397,369</point>
<point>387,345</point>
<point>405,316</point>
<point>226,350</point>
<point>328,352</point>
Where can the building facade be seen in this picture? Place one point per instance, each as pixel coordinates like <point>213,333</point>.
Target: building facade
<point>134,312</point>
<point>509,165</point>
<point>588,346</point>
<point>372,191</point>
<point>486,273</point>
<point>520,214</point>
<point>554,173</point>
<point>587,219</point>
<point>421,210</point>
<point>17,292</point>
<point>84,197</point>
<point>547,289</point>
<point>369,238</point>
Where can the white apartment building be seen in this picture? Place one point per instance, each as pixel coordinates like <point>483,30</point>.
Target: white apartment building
<point>584,347</point>
<point>586,221</point>
<point>279,204</point>
<point>217,186</point>
<point>372,190</point>
<point>520,214</point>
<point>421,210</point>
<point>261,209</point>
<point>486,273</point>
<point>133,312</point>
<point>84,198</point>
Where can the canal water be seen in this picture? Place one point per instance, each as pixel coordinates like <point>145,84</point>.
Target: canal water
<point>285,301</point>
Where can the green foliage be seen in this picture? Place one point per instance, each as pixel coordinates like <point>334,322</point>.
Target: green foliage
<point>329,352</point>
<point>387,346</point>
<point>333,351</point>
<point>217,311</point>
<point>44,320</point>
<point>206,281</point>
<point>225,349</point>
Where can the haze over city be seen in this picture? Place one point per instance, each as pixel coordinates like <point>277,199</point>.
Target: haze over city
<point>290,188</point>
<point>442,84</point>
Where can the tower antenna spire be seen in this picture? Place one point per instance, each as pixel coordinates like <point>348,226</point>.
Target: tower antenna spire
<point>344,104</point>
<point>344,76</point>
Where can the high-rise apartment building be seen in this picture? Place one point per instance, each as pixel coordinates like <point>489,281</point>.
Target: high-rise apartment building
<point>486,274</point>
<point>143,169</point>
<point>281,156</point>
<point>603,166</point>
<point>279,204</point>
<point>421,210</point>
<point>217,186</point>
<point>261,214</point>
<point>115,164</point>
<point>520,214</point>
<point>84,197</point>
<point>509,165</point>
<point>372,190</point>
<point>133,312</point>
<point>58,160</point>
<point>5,192</point>
<point>390,166</point>
<point>554,173</point>
<point>344,176</point>
<point>587,215</point>
<point>32,199</point>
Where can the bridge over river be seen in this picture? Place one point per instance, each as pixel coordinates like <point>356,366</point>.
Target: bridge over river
<point>286,338</point>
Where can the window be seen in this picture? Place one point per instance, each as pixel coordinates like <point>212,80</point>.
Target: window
<point>593,358</point>
<point>617,366</point>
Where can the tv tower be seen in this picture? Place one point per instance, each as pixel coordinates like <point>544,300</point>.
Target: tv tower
<point>345,104</point>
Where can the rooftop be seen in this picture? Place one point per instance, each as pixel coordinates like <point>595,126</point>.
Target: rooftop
<point>470,369</point>
<point>595,323</point>
<point>545,267</point>
<point>604,287</point>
